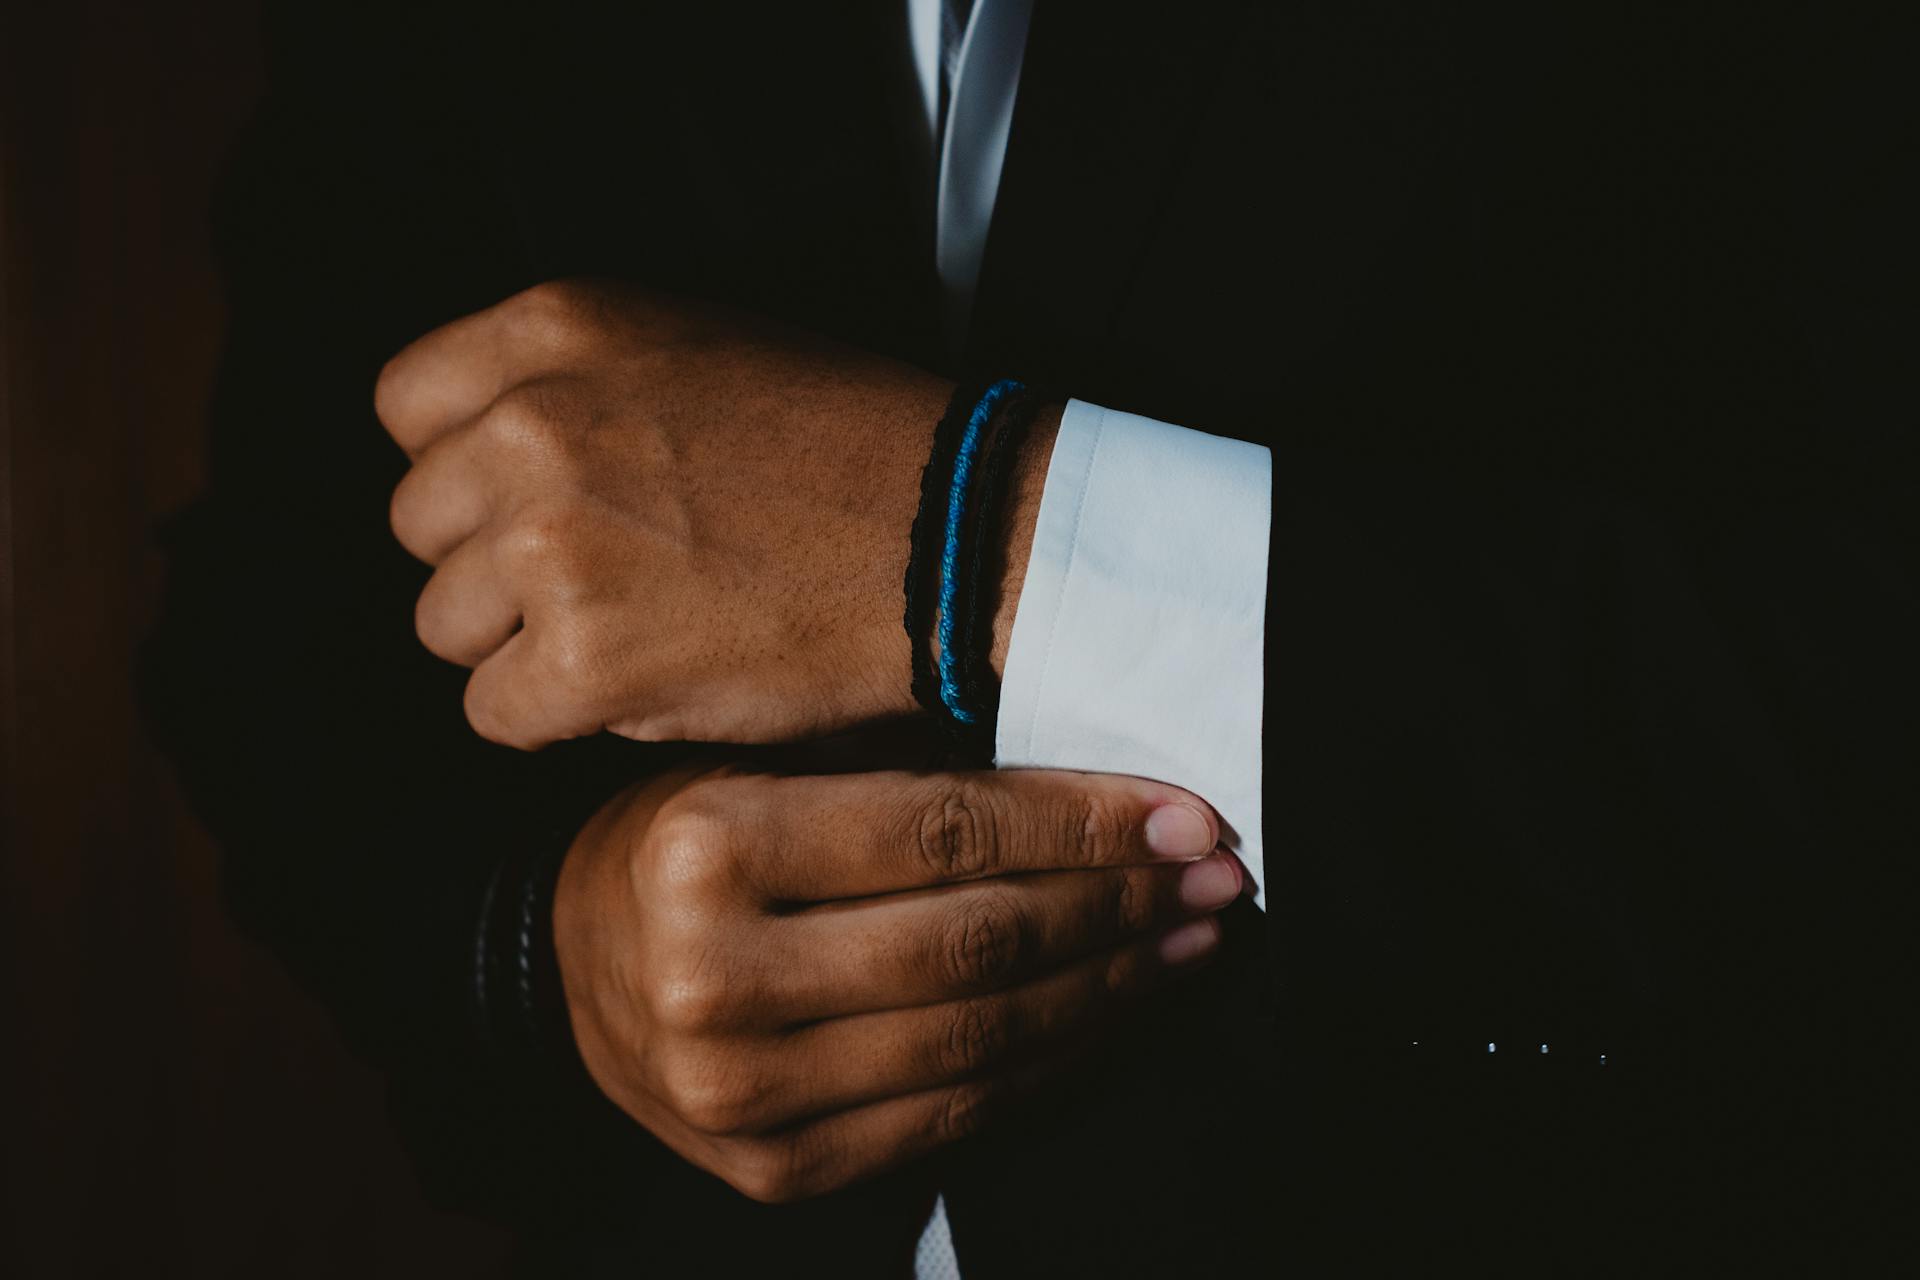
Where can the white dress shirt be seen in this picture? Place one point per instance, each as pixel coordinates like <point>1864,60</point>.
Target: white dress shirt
<point>1139,642</point>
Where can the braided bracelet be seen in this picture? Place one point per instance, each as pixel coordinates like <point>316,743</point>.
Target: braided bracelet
<point>978,598</point>
<point>972,452</point>
<point>517,996</point>
<point>951,694</point>
<point>935,482</point>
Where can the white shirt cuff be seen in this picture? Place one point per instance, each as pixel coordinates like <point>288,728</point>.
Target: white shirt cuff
<point>1139,645</point>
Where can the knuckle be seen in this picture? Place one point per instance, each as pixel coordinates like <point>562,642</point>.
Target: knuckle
<point>964,1111</point>
<point>688,854</point>
<point>484,716</point>
<point>551,304</point>
<point>551,546</point>
<point>770,1172</point>
<point>1097,827</point>
<point>1135,905</point>
<point>955,836</point>
<point>655,726</point>
<point>714,1095</point>
<point>694,1001</point>
<point>430,621</point>
<point>1123,974</point>
<point>528,420</point>
<point>717,796</point>
<point>403,508</point>
<point>977,1035</point>
<point>389,390</point>
<point>535,539</point>
<point>547,293</point>
<point>983,943</point>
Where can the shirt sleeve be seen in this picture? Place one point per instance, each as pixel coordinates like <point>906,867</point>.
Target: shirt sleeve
<point>1139,646</point>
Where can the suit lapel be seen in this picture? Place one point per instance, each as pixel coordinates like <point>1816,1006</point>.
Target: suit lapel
<point>1107,96</point>
<point>1305,135</point>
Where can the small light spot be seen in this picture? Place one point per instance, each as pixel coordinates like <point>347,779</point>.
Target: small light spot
<point>1543,1048</point>
<point>1603,1059</point>
<point>1489,1046</point>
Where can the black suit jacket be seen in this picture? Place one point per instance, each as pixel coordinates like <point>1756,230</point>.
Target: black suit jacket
<point>1588,690</point>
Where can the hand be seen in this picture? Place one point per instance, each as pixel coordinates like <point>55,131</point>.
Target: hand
<point>796,982</point>
<point>653,518</point>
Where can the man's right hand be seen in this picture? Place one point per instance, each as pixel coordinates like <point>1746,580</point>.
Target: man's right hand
<point>796,982</point>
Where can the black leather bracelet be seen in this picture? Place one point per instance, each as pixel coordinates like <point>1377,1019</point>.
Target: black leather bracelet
<point>519,1005</point>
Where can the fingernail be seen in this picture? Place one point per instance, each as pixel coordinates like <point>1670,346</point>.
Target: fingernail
<point>1209,884</point>
<point>1190,941</point>
<point>1178,831</point>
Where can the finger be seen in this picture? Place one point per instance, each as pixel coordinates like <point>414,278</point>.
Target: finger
<point>887,1087</point>
<point>916,949</point>
<point>849,835</point>
<point>854,1145</point>
<point>444,498</point>
<point>526,695</point>
<point>451,375</point>
<point>468,608</point>
<point>847,1061</point>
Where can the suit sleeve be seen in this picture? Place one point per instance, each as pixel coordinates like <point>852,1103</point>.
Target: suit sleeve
<point>364,828</point>
<point>1591,800</point>
<point>1588,706</point>
<point>1588,770</point>
<point>369,838</point>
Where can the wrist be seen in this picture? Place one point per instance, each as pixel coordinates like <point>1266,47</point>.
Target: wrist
<point>1022,515</point>
<point>517,998</point>
<point>972,537</point>
<point>594,923</point>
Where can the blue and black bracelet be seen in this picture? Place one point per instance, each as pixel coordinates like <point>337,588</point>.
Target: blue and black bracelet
<point>979,597</point>
<point>972,448</point>
<point>928,522</point>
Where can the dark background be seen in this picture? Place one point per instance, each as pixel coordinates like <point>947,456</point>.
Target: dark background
<point>174,1105</point>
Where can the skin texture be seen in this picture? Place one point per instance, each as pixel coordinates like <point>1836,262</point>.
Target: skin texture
<point>673,523</point>
<point>796,982</point>
<point>666,521</point>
